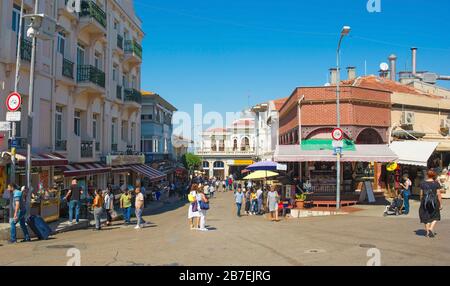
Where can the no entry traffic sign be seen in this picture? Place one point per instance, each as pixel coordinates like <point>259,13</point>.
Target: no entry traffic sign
<point>14,101</point>
<point>337,134</point>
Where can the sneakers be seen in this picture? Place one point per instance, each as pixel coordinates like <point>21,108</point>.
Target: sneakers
<point>137,227</point>
<point>70,223</point>
<point>26,240</point>
<point>203,229</point>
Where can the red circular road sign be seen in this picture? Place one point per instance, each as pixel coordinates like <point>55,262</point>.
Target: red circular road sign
<point>14,101</point>
<point>337,134</point>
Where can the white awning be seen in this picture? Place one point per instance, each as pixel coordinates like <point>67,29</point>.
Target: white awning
<point>363,153</point>
<point>415,153</point>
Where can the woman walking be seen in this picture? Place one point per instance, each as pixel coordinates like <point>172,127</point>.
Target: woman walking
<point>430,203</point>
<point>254,202</point>
<point>272,204</point>
<point>203,205</point>
<point>97,205</point>
<point>247,195</point>
<point>193,213</point>
<point>109,205</point>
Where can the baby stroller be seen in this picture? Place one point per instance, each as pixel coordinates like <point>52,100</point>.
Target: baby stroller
<point>395,208</point>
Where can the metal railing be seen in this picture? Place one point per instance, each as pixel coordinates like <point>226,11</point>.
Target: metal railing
<point>67,68</point>
<point>119,94</point>
<point>61,145</point>
<point>132,47</point>
<point>25,49</point>
<point>90,9</point>
<point>92,74</point>
<point>87,149</point>
<point>133,95</point>
<point>113,147</point>
<point>119,41</point>
<point>227,151</point>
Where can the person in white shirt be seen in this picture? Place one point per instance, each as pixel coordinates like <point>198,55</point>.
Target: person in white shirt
<point>212,189</point>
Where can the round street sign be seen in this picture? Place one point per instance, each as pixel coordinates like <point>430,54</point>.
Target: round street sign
<point>337,134</point>
<point>13,102</point>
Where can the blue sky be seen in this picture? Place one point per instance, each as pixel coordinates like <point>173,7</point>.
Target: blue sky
<point>219,52</point>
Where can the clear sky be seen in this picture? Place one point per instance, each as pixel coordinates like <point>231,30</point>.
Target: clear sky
<point>220,52</point>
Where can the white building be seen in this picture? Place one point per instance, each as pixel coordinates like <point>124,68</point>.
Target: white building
<point>87,90</point>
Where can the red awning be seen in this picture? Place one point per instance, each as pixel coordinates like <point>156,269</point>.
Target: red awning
<point>43,160</point>
<point>85,169</point>
<point>147,171</point>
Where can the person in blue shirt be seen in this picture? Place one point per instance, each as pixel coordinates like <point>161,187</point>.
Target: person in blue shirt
<point>239,198</point>
<point>19,212</point>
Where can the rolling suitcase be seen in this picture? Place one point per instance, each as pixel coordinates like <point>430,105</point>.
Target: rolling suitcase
<point>39,227</point>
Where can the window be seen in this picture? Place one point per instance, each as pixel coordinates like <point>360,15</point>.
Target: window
<point>98,61</point>
<point>155,146</point>
<point>133,127</point>
<point>124,133</point>
<point>94,126</point>
<point>77,123</point>
<point>166,145</point>
<point>15,18</point>
<point>113,131</point>
<point>61,43</point>
<point>80,55</point>
<point>147,146</point>
<point>116,25</point>
<point>125,80</point>
<point>58,123</point>
<point>115,75</point>
<point>133,82</point>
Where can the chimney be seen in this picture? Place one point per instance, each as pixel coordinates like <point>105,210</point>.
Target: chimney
<point>414,60</point>
<point>351,73</point>
<point>333,76</point>
<point>393,61</point>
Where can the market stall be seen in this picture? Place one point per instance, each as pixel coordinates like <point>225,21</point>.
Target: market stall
<point>46,203</point>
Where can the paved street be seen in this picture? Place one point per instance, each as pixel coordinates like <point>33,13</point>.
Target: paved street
<point>338,240</point>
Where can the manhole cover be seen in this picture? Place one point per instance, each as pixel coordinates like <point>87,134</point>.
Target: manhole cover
<point>367,246</point>
<point>315,251</point>
<point>60,246</point>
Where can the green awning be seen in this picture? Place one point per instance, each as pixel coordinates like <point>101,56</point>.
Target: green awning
<point>325,144</point>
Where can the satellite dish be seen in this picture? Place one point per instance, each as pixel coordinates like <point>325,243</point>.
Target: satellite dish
<point>384,67</point>
<point>327,84</point>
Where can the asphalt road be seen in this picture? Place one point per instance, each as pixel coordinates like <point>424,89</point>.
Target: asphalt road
<point>246,241</point>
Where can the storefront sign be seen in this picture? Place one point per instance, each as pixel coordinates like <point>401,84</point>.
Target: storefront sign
<point>5,126</point>
<point>242,162</point>
<point>120,160</point>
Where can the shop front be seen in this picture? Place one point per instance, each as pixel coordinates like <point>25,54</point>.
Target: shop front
<point>236,167</point>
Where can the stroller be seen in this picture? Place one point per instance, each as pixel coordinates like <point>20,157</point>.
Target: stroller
<point>395,208</point>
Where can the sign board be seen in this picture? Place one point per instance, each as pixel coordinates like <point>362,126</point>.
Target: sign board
<point>14,143</point>
<point>338,144</point>
<point>281,167</point>
<point>337,134</point>
<point>367,193</point>
<point>13,101</point>
<point>120,160</point>
<point>5,126</point>
<point>13,116</point>
<point>337,150</point>
<point>242,162</point>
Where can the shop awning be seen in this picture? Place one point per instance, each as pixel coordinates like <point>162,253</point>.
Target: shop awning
<point>147,171</point>
<point>85,169</point>
<point>362,153</point>
<point>415,153</point>
<point>42,159</point>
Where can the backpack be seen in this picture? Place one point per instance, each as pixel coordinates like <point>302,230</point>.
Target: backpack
<point>430,201</point>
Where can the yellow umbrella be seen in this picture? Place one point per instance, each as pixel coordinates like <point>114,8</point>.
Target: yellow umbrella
<point>261,175</point>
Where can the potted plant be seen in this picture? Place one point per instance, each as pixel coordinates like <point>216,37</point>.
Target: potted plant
<point>300,201</point>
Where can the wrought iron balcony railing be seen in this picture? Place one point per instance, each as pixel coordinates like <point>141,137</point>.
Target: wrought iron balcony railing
<point>67,68</point>
<point>132,47</point>
<point>90,9</point>
<point>133,95</point>
<point>88,73</point>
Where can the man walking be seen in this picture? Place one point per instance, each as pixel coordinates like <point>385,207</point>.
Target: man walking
<point>139,205</point>
<point>239,198</point>
<point>73,198</point>
<point>19,213</point>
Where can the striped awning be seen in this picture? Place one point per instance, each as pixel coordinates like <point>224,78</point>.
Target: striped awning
<point>85,169</point>
<point>121,169</point>
<point>147,171</point>
<point>42,159</point>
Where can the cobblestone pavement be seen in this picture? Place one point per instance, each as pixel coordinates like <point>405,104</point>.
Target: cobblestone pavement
<point>246,241</point>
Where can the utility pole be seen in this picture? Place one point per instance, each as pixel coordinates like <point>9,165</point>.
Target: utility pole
<point>16,89</point>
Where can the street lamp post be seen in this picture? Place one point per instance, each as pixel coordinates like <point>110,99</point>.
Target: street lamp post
<point>345,31</point>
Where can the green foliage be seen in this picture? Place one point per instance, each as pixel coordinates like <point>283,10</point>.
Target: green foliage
<point>191,161</point>
<point>301,197</point>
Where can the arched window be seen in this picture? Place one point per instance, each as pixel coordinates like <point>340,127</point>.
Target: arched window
<point>205,165</point>
<point>219,165</point>
<point>235,145</point>
<point>245,144</point>
<point>221,145</point>
<point>213,143</point>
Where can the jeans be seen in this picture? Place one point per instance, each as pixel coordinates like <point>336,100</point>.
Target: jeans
<point>406,195</point>
<point>76,205</point>
<point>108,216</point>
<point>97,217</point>
<point>21,221</point>
<point>239,206</point>
<point>139,216</point>
<point>254,208</point>
<point>260,205</point>
<point>127,214</point>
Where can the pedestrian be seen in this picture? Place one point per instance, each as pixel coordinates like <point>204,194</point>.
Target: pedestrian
<point>259,196</point>
<point>206,190</point>
<point>430,203</point>
<point>108,205</point>
<point>239,198</point>
<point>19,213</point>
<point>230,183</point>
<point>272,204</point>
<point>247,195</point>
<point>203,206</point>
<point>212,190</point>
<point>406,193</point>
<point>97,206</point>
<point>73,198</point>
<point>125,205</point>
<point>139,207</point>
<point>193,212</point>
<point>254,202</point>
<point>224,186</point>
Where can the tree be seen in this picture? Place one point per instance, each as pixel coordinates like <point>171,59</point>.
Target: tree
<point>191,161</point>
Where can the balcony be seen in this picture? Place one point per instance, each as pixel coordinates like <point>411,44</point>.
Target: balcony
<point>62,10</point>
<point>93,19</point>
<point>133,96</point>
<point>90,79</point>
<point>226,151</point>
<point>67,68</point>
<point>119,94</point>
<point>133,53</point>
<point>25,50</point>
<point>120,42</point>
<point>87,149</point>
<point>61,145</point>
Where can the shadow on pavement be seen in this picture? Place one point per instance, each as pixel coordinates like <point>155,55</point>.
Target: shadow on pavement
<point>166,208</point>
<point>421,232</point>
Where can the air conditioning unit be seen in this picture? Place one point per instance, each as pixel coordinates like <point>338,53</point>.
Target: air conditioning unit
<point>408,118</point>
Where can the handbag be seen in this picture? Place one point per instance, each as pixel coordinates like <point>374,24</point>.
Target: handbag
<point>194,207</point>
<point>204,206</point>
